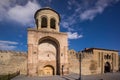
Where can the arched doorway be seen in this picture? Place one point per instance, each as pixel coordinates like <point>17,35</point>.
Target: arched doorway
<point>49,53</point>
<point>107,67</point>
<point>48,71</point>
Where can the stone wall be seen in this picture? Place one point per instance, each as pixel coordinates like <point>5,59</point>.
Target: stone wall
<point>12,61</point>
<point>93,61</point>
<point>75,64</point>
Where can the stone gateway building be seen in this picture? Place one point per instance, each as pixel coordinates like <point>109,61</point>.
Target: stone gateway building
<point>93,61</point>
<point>48,52</point>
<point>47,47</point>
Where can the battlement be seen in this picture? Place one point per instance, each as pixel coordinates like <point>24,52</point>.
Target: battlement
<point>84,55</point>
<point>13,52</point>
<point>12,61</point>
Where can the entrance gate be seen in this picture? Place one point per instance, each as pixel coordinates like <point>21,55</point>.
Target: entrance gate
<point>48,71</point>
<point>107,67</point>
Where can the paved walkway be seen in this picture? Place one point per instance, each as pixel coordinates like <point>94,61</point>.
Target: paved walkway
<point>107,76</point>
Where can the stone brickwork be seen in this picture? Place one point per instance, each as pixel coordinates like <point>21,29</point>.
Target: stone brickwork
<point>73,61</point>
<point>12,61</point>
<point>47,47</point>
<point>93,61</point>
<point>75,64</point>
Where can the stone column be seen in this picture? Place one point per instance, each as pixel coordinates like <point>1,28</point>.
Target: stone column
<point>102,65</point>
<point>34,57</point>
<point>57,25</point>
<point>48,23</point>
<point>113,62</point>
<point>117,61</point>
<point>29,62</point>
<point>39,23</point>
<point>65,66</point>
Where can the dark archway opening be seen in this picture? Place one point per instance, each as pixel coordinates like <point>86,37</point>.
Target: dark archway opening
<point>52,23</point>
<point>43,22</point>
<point>107,67</point>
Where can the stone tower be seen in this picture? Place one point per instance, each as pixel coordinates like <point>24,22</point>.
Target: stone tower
<point>47,47</point>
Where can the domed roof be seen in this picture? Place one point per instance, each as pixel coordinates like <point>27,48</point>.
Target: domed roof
<point>46,8</point>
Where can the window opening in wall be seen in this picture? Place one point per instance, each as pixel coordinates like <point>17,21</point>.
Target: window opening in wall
<point>52,23</point>
<point>61,54</point>
<point>107,67</point>
<point>44,22</point>
<point>48,55</point>
<point>107,56</point>
<point>34,52</point>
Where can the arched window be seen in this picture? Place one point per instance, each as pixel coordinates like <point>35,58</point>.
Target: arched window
<point>43,22</point>
<point>52,23</point>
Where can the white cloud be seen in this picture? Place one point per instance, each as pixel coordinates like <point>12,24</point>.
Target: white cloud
<point>23,14</point>
<point>8,42</point>
<point>74,35</point>
<point>98,8</point>
<point>7,45</point>
<point>83,10</point>
<point>88,9</point>
<point>91,13</point>
<point>68,22</point>
<point>4,5</point>
<point>65,24</point>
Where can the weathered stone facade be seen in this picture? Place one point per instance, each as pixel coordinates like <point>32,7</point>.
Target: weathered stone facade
<point>47,47</point>
<point>93,61</point>
<point>13,61</point>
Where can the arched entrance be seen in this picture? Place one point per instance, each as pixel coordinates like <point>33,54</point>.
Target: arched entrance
<point>107,67</point>
<point>49,53</point>
<point>48,71</point>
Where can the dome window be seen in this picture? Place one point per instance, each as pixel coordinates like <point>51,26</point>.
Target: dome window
<point>52,23</point>
<point>44,22</point>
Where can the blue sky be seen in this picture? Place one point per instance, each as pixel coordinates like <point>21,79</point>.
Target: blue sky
<point>89,23</point>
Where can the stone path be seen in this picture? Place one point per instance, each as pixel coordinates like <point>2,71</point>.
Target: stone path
<point>107,76</point>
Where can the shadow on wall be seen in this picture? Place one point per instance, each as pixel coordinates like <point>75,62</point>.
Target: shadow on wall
<point>9,76</point>
<point>93,66</point>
